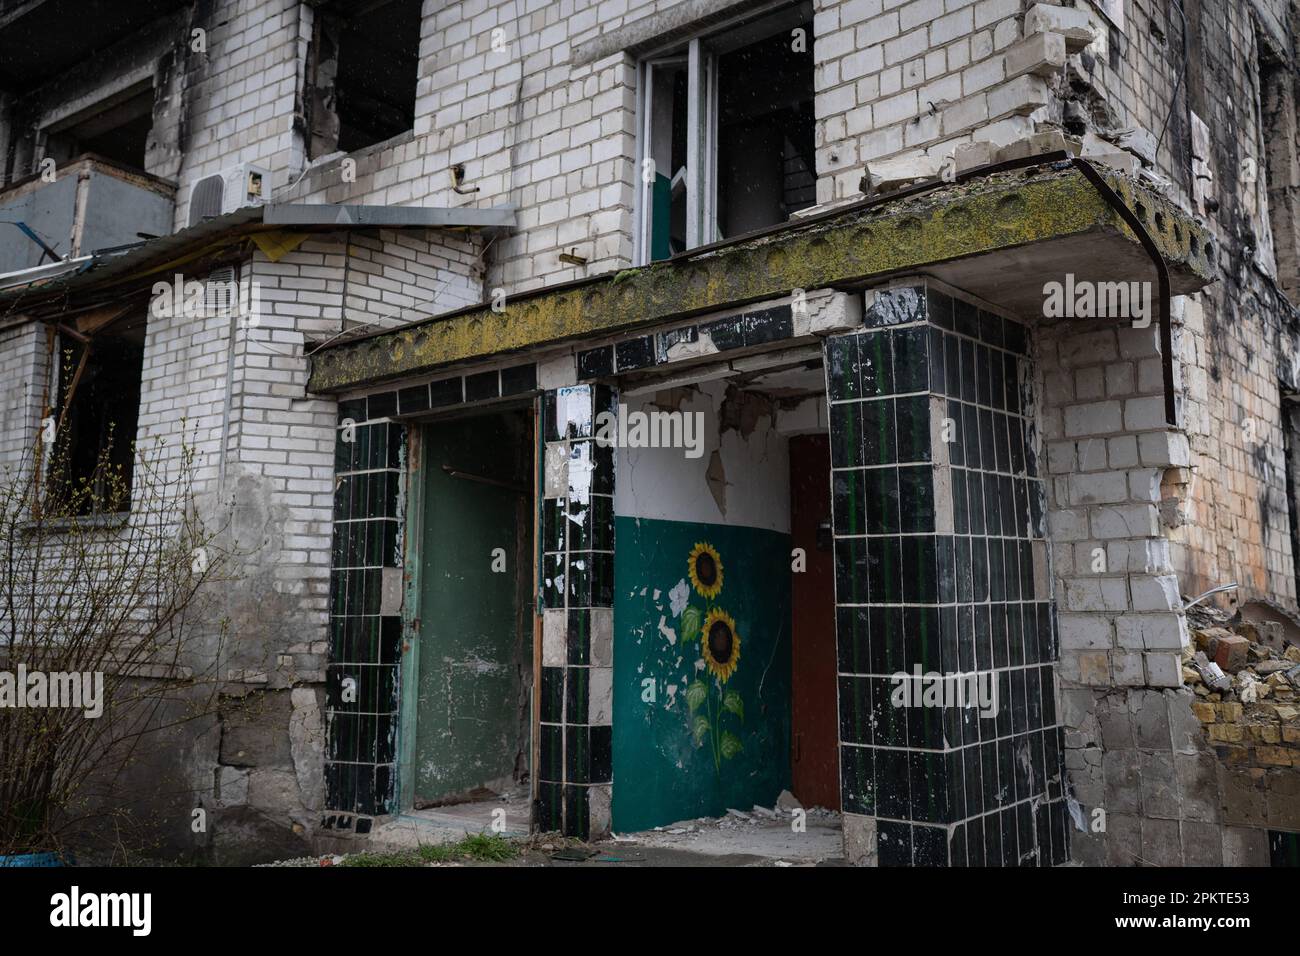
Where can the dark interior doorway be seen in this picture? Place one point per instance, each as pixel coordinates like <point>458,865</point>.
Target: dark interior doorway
<point>814,726</point>
<point>475,614</point>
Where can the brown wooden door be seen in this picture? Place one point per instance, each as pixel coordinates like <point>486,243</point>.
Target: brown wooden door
<point>814,738</point>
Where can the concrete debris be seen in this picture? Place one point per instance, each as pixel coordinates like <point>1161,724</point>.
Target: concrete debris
<point>886,175</point>
<point>788,802</point>
<point>1139,142</point>
<point>1247,696</point>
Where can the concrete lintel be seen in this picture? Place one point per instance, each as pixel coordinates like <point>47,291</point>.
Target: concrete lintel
<point>1052,216</point>
<point>394,217</point>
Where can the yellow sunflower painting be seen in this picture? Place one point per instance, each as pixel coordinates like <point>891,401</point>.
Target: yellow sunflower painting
<point>720,644</point>
<point>705,566</point>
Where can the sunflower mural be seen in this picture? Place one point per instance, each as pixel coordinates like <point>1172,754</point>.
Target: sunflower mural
<point>711,703</point>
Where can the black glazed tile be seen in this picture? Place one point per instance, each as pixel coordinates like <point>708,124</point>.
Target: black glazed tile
<point>965,318</point>
<point>975,842</point>
<point>552,702</point>
<point>991,328</point>
<point>911,359</point>
<point>918,560</point>
<point>916,499</point>
<point>877,431</point>
<point>938,377</point>
<point>894,842</point>
<point>913,414</point>
<point>846,434</point>
<point>553,580</point>
<point>596,363</point>
<point>889,722</point>
<point>893,792</point>
<point>602,522</point>
<point>851,571</point>
<point>888,645</point>
<point>853,640</point>
<point>726,334</point>
<point>554,523</point>
<point>549,813</point>
<point>971,781</point>
<point>884,508</point>
<point>767,325</point>
<point>939,308</point>
<point>969,387</point>
<point>922,644</point>
<point>857,780</point>
<point>577,752</point>
<point>635,353</point>
<point>602,753</point>
<point>550,753</point>
<point>884,570</point>
<point>929,846</point>
<point>665,341</point>
<point>957,847</point>
<point>929,787</point>
<point>579,637</point>
<point>897,306</point>
<point>842,367</point>
<point>952,366</point>
<point>577,821</point>
<point>855,710</point>
<point>849,502</point>
<point>875,364</point>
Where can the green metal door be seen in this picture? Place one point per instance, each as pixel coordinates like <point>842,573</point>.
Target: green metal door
<point>475,633</point>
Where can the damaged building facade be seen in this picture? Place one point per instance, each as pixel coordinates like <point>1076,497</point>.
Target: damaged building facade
<point>620,394</point>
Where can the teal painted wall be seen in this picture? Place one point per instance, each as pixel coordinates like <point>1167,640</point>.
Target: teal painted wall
<point>660,773</point>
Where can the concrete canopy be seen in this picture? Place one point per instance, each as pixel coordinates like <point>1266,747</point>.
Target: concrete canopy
<point>1000,237</point>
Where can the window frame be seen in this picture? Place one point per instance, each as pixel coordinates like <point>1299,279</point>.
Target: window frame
<point>701,53</point>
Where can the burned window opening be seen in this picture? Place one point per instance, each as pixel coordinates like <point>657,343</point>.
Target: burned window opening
<point>99,369</point>
<point>119,133</point>
<point>362,76</point>
<point>728,134</point>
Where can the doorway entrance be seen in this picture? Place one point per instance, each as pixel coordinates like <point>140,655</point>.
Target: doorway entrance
<point>814,722</point>
<point>472,616</point>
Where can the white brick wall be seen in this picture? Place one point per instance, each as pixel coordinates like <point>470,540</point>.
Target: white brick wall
<point>1108,451</point>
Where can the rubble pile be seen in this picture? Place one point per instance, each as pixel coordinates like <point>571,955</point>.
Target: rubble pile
<point>1246,677</point>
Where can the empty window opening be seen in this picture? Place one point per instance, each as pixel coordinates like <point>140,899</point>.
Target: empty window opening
<point>364,64</point>
<point>727,134</point>
<point>98,388</point>
<point>119,132</point>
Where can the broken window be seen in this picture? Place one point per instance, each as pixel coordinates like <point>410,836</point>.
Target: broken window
<point>99,366</point>
<point>117,131</point>
<point>727,133</point>
<point>362,73</point>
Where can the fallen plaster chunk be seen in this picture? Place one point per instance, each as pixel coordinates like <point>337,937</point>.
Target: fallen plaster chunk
<point>886,175</point>
<point>787,802</point>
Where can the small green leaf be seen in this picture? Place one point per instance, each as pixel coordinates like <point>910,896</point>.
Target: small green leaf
<point>732,702</point>
<point>696,693</point>
<point>699,728</point>
<point>731,744</point>
<point>691,618</point>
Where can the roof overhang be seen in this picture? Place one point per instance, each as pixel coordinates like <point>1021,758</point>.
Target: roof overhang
<point>999,237</point>
<point>62,284</point>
